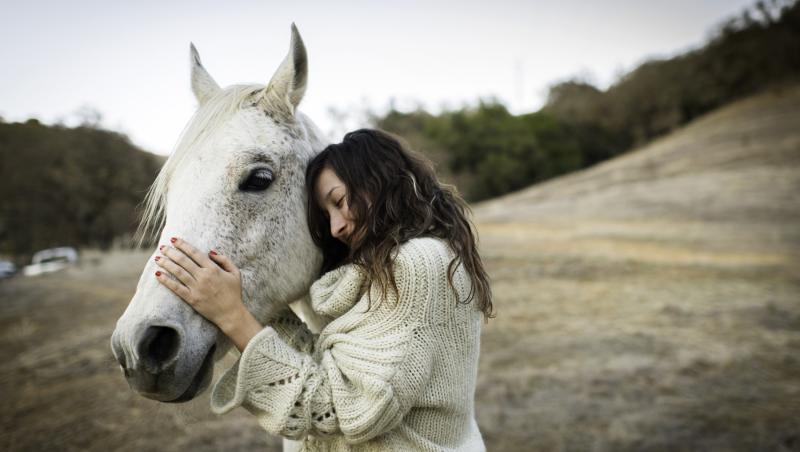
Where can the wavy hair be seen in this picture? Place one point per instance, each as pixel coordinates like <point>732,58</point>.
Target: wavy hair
<point>393,196</point>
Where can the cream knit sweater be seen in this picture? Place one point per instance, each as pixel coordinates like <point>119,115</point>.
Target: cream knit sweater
<point>397,376</point>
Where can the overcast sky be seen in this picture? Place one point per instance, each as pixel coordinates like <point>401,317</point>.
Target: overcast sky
<point>129,60</point>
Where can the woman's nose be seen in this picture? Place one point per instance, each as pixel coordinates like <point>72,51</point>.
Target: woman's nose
<point>337,227</point>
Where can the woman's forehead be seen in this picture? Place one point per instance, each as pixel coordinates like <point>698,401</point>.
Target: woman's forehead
<point>326,183</point>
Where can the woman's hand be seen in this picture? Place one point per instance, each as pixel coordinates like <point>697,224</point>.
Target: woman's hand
<point>212,285</point>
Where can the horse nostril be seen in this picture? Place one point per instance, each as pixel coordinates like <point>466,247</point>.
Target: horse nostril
<point>158,348</point>
<point>119,355</point>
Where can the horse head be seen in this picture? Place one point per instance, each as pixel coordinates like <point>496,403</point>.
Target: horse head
<point>234,183</point>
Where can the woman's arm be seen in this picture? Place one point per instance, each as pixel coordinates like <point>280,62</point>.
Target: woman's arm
<point>240,332</point>
<point>368,371</point>
<point>361,387</point>
<point>361,381</point>
<point>292,330</point>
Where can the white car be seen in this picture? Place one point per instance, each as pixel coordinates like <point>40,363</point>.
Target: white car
<point>50,260</point>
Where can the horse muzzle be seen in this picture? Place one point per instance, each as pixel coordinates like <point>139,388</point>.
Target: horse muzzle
<point>160,363</point>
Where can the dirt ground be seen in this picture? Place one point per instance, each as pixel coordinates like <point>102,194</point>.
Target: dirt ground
<point>651,303</point>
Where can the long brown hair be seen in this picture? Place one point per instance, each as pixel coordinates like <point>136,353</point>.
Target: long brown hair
<point>393,196</point>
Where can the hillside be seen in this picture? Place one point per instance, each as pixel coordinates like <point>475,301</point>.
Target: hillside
<point>62,186</point>
<point>744,158</point>
<point>651,302</point>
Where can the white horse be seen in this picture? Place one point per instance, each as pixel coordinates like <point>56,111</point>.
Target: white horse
<point>235,183</point>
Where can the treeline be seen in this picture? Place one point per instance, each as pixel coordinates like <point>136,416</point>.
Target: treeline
<point>486,151</point>
<point>64,186</point>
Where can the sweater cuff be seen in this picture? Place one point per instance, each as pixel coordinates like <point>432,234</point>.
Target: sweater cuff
<point>266,379</point>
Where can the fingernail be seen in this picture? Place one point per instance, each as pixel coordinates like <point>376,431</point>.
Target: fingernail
<point>173,240</point>
<point>161,248</point>
<point>158,257</point>
<point>212,252</point>
<point>158,273</point>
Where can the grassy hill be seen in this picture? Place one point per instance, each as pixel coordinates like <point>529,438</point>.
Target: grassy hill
<point>651,302</point>
<point>737,164</point>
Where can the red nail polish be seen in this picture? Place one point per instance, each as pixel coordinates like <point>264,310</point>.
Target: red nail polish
<point>158,273</point>
<point>173,240</point>
<point>161,248</point>
<point>212,252</point>
<point>158,257</point>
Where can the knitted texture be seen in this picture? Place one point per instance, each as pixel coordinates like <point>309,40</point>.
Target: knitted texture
<point>394,372</point>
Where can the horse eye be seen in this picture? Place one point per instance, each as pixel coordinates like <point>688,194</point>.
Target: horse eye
<point>258,180</point>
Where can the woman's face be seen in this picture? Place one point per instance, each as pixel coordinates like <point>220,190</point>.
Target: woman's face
<point>331,195</point>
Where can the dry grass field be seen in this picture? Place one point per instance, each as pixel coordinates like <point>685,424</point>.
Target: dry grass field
<point>651,303</point>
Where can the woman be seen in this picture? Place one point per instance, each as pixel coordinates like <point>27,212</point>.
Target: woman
<point>404,289</point>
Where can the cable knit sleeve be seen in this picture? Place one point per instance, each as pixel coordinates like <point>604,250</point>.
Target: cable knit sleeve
<point>368,368</point>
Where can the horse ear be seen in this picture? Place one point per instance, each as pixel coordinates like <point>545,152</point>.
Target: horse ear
<point>203,86</point>
<point>287,86</point>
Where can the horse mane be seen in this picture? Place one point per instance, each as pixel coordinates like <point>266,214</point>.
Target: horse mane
<point>205,121</point>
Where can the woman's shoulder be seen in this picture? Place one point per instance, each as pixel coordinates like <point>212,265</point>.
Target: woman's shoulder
<point>423,257</point>
<point>426,246</point>
<point>420,249</point>
<point>421,271</point>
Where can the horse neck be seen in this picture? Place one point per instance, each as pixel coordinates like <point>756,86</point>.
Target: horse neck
<point>302,306</point>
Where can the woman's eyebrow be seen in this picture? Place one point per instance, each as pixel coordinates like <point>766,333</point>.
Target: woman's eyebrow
<point>331,191</point>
